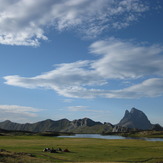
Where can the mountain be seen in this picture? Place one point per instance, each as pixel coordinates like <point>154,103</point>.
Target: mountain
<point>85,122</point>
<point>135,119</point>
<point>42,126</point>
<point>84,125</point>
<point>87,125</point>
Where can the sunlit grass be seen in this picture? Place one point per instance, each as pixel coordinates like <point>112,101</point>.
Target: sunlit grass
<point>85,150</point>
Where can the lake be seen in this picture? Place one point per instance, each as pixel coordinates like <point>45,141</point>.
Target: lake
<point>98,136</point>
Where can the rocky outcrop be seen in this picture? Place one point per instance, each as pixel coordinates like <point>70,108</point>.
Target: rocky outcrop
<point>84,122</point>
<point>135,119</point>
<point>157,127</point>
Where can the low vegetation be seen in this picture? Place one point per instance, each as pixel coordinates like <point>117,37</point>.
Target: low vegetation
<point>147,134</point>
<point>30,149</point>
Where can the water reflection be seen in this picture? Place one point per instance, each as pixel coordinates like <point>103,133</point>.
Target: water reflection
<point>98,136</point>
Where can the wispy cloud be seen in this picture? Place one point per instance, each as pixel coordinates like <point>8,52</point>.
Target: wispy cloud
<point>68,100</point>
<point>149,88</point>
<point>117,60</point>
<point>67,79</point>
<point>17,112</point>
<point>126,59</point>
<point>82,109</point>
<point>24,22</point>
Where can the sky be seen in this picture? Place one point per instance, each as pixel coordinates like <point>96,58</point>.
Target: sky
<point>80,58</point>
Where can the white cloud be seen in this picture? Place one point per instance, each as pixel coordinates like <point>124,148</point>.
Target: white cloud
<point>127,60</point>
<point>18,113</point>
<point>82,109</point>
<point>25,110</point>
<point>67,79</point>
<point>24,22</point>
<point>77,108</point>
<point>149,88</point>
<point>117,60</point>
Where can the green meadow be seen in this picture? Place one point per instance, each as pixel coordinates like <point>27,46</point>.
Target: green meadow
<point>30,149</point>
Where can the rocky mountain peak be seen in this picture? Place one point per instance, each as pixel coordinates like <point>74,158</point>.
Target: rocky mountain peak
<point>127,113</point>
<point>134,110</point>
<point>135,119</point>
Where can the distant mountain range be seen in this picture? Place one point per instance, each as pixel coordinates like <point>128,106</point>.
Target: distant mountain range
<point>135,119</point>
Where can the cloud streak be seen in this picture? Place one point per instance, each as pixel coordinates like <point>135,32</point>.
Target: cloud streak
<point>25,110</point>
<point>17,112</point>
<point>25,22</point>
<point>127,60</point>
<point>117,60</point>
<point>82,109</point>
<point>149,88</point>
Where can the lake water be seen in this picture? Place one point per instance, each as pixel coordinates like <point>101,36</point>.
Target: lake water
<point>98,136</point>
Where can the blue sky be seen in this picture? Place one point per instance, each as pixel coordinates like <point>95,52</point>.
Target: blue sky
<point>80,58</point>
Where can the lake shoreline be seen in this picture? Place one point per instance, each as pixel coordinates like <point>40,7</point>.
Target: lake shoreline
<point>112,137</point>
<point>133,134</point>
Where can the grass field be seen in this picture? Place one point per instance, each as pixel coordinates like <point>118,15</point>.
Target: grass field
<point>30,149</point>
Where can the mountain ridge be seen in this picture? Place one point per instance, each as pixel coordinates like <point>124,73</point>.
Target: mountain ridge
<point>135,119</point>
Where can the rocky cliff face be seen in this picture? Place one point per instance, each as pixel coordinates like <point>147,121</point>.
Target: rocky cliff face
<point>135,119</point>
<point>84,122</point>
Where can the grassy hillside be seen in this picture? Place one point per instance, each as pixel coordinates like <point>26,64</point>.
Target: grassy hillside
<point>30,149</point>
